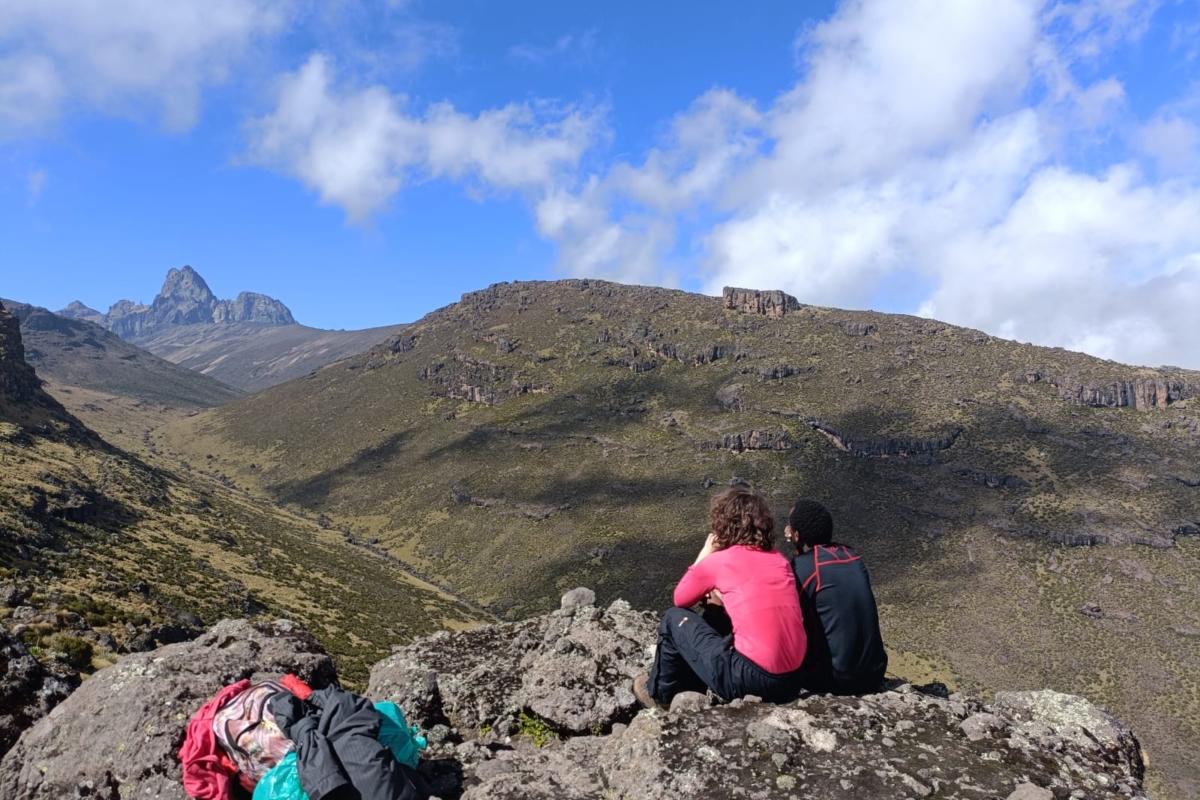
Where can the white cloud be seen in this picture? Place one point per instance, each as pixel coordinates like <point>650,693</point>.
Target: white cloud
<point>116,55</point>
<point>934,140</point>
<point>358,147</point>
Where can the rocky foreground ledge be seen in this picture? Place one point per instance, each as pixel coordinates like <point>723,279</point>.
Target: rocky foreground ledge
<point>542,709</point>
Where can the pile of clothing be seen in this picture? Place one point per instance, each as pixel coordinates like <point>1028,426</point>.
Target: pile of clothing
<point>284,741</point>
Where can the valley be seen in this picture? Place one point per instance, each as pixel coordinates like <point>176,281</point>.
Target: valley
<point>1030,516</point>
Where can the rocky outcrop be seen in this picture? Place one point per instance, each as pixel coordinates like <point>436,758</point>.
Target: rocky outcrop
<point>852,328</point>
<point>185,299</point>
<point>543,709</point>
<point>118,734</point>
<point>773,304</point>
<point>756,439</point>
<point>863,448</point>
<point>693,355</point>
<point>28,688</point>
<point>1140,393</point>
<point>18,382</point>
<point>572,669</point>
<point>491,741</point>
<point>781,371</point>
<point>992,480</point>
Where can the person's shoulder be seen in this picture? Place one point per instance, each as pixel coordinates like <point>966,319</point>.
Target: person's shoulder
<point>801,562</point>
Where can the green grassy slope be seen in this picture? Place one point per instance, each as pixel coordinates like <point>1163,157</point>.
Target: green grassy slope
<point>90,529</point>
<point>540,436</point>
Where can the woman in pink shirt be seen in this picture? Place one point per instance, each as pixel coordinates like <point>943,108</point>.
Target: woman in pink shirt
<point>750,638</point>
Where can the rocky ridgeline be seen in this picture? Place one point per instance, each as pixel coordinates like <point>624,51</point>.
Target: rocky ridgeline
<point>185,299</point>
<point>1140,393</point>
<point>543,709</point>
<point>18,382</point>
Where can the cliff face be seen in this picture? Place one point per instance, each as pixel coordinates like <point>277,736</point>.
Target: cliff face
<point>772,303</point>
<point>185,299</point>
<point>18,382</point>
<point>542,709</point>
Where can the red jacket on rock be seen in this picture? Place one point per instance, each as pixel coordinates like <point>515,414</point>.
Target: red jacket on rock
<point>207,771</point>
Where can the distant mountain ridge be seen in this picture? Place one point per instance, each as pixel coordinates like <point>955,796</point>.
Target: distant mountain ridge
<point>185,299</point>
<point>250,343</point>
<point>79,353</point>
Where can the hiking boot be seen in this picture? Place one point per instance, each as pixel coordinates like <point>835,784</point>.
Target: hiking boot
<point>641,690</point>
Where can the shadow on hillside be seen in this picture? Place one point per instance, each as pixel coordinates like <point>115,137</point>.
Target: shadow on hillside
<point>607,410</point>
<point>313,491</point>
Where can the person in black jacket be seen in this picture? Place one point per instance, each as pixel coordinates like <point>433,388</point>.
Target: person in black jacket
<point>841,621</point>
<point>338,752</point>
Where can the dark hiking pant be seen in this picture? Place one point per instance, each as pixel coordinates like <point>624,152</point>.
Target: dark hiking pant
<point>825,683</point>
<point>695,652</point>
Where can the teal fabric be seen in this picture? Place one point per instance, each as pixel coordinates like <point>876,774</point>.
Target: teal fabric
<point>403,741</point>
<point>283,781</point>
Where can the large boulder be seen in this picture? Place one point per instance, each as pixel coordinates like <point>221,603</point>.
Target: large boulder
<point>118,735</point>
<point>572,669</point>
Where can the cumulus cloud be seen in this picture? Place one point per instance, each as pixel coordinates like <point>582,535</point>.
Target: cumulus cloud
<point>942,144</point>
<point>117,55</point>
<point>357,147</point>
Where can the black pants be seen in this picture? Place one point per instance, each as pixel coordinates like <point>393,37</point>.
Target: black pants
<point>695,652</point>
<point>825,683</point>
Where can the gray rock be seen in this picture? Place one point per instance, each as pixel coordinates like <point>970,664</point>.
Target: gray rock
<point>978,727</point>
<point>120,731</point>
<point>28,689</point>
<point>578,597</point>
<point>1087,727</point>
<point>689,701</point>
<point>574,672</point>
<point>1030,791</point>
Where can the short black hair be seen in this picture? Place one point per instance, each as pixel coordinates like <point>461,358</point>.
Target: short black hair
<point>812,522</point>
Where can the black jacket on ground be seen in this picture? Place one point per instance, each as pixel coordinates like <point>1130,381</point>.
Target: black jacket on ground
<point>338,754</point>
<point>841,621</point>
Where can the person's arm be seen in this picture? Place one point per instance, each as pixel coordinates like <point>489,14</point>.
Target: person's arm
<point>707,550</point>
<point>698,580</point>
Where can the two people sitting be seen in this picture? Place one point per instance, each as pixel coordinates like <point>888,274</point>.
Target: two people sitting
<point>769,627</point>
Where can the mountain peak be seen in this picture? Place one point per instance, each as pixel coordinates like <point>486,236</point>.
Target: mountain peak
<point>185,285</point>
<point>185,299</point>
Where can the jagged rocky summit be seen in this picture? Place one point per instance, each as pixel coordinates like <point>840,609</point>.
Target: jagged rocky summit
<point>185,299</point>
<point>542,709</point>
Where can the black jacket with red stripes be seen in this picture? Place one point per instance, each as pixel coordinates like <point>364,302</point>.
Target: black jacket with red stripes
<point>841,621</point>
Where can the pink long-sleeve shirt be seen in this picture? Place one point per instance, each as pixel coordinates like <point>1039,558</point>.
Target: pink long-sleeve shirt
<point>759,592</point>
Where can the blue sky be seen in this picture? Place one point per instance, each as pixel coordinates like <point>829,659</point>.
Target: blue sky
<point>1028,168</point>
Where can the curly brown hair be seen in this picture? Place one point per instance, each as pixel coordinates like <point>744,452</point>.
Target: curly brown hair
<point>740,515</point>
